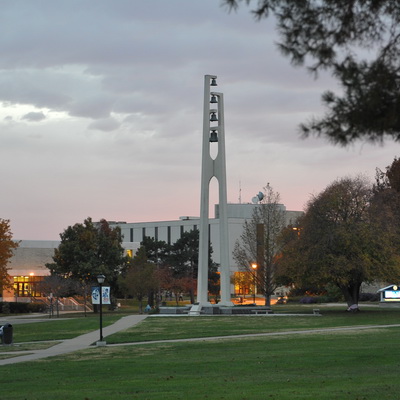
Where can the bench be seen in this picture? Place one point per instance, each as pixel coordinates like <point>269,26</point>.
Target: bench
<point>262,312</point>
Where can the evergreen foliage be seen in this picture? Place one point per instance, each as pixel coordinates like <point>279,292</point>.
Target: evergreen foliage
<point>87,250</point>
<point>358,42</point>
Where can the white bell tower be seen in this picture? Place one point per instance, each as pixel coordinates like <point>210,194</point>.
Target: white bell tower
<point>213,135</point>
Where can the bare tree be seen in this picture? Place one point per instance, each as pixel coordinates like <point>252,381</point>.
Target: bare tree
<point>258,243</point>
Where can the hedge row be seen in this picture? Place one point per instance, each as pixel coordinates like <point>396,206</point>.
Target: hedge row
<point>20,308</point>
<point>328,299</point>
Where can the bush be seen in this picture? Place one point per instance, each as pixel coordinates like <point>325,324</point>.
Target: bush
<point>36,307</point>
<point>294,299</point>
<point>369,297</point>
<point>5,308</point>
<point>333,293</point>
<point>21,308</point>
<point>308,300</point>
<point>155,310</point>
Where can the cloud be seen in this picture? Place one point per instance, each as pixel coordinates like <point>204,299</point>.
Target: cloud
<point>106,124</point>
<point>134,69</point>
<point>34,116</point>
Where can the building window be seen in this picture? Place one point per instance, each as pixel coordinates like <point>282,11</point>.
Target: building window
<point>131,232</point>
<point>143,233</point>
<point>27,286</point>
<point>182,230</point>
<point>156,233</point>
<point>168,234</point>
<point>129,253</point>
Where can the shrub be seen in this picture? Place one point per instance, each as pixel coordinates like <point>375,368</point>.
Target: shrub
<point>36,307</point>
<point>308,300</point>
<point>333,293</point>
<point>21,308</point>
<point>294,299</point>
<point>369,297</point>
<point>5,308</point>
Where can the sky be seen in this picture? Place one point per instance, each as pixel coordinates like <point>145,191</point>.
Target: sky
<point>101,107</point>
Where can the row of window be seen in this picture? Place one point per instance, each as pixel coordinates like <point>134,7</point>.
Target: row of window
<point>27,286</point>
<point>156,233</point>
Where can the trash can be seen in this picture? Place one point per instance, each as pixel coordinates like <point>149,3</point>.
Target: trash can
<point>6,332</point>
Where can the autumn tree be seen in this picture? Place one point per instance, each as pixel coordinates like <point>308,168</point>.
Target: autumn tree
<point>386,202</point>
<point>339,241</point>
<point>184,259</point>
<point>140,278</point>
<point>7,245</point>
<point>87,250</point>
<point>177,264</point>
<point>258,243</point>
<point>358,42</point>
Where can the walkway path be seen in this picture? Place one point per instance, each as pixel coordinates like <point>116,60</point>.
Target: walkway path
<point>75,344</point>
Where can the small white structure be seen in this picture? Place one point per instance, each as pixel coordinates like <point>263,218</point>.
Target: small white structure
<point>390,295</point>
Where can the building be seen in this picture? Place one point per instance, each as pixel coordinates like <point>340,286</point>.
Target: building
<point>27,266</point>
<point>170,231</point>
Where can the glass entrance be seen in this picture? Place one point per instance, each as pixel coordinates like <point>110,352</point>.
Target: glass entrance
<point>26,286</point>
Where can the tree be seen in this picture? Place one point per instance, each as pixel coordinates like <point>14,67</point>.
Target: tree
<point>56,287</point>
<point>339,240</point>
<point>7,245</point>
<point>386,201</point>
<point>139,279</point>
<point>184,259</point>
<point>157,251</point>
<point>178,263</point>
<point>259,243</point>
<point>87,250</point>
<point>359,43</point>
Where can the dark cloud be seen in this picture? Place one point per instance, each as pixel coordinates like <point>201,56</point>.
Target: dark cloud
<point>34,116</point>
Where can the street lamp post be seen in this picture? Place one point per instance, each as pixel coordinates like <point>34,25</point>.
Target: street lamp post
<point>254,266</point>
<point>101,279</point>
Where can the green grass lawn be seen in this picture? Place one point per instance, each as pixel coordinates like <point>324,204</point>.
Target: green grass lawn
<point>356,365</point>
<point>160,328</point>
<point>343,365</point>
<point>60,329</point>
<point>156,328</point>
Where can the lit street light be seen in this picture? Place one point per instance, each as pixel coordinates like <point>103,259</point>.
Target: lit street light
<point>254,266</point>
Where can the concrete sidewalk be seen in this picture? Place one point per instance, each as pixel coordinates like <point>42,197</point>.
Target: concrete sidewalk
<point>75,344</point>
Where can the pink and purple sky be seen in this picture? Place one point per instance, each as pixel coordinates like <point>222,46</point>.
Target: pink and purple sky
<point>101,113</point>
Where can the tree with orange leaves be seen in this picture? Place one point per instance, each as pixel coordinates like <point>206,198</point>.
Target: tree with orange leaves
<point>7,245</point>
